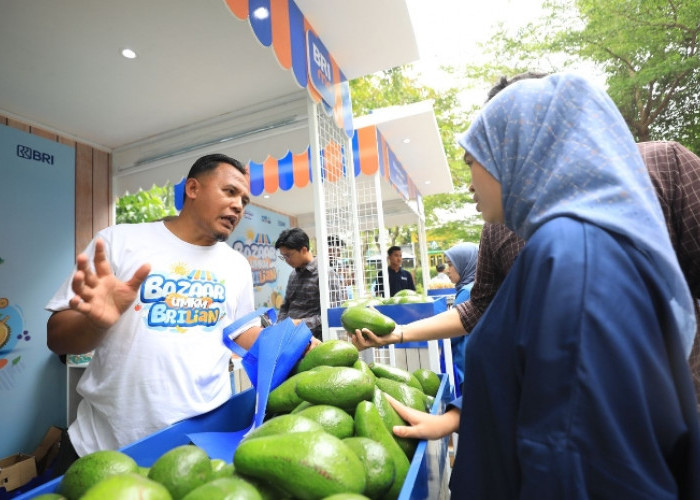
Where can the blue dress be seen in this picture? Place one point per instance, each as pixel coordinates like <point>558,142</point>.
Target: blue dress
<point>572,389</point>
<point>459,344</point>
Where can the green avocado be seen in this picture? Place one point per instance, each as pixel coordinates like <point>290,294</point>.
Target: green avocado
<point>428,380</point>
<point>410,396</point>
<point>414,299</point>
<point>362,302</point>
<point>333,420</point>
<point>283,424</point>
<point>395,373</point>
<point>302,406</point>
<point>283,398</point>
<point>92,468</point>
<point>330,353</point>
<point>357,318</point>
<point>390,301</point>
<point>391,418</point>
<point>364,368</point>
<point>339,386</point>
<point>379,467</point>
<point>307,465</point>
<point>267,491</point>
<point>228,488</point>
<point>369,424</point>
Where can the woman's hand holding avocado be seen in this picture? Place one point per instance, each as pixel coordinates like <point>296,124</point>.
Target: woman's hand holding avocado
<point>365,338</point>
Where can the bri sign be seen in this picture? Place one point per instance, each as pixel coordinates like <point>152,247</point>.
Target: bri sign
<point>320,68</point>
<point>28,153</point>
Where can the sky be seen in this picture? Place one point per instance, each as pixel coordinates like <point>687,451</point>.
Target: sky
<point>448,31</point>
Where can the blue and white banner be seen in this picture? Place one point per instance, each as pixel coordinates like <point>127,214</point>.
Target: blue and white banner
<point>37,252</point>
<point>255,238</point>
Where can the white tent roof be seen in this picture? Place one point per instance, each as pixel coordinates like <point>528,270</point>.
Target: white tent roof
<point>413,134</point>
<point>201,83</point>
<point>62,69</point>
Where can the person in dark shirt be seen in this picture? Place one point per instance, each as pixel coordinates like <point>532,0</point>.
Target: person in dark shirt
<point>302,300</point>
<point>399,279</point>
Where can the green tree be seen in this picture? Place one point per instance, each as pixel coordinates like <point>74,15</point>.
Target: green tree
<point>146,206</point>
<point>394,87</point>
<point>646,49</point>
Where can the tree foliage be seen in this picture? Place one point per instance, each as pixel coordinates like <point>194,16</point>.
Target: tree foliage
<point>394,87</point>
<point>646,49</point>
<point>146,206</point>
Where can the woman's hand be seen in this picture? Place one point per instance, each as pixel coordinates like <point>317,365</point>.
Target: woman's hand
<point>365,338</point>
<point>424,425</point>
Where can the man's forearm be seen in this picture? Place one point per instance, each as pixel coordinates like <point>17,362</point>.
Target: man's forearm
<point>70,332</point>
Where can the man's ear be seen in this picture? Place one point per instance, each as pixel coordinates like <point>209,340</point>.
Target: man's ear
<point>191,187</point>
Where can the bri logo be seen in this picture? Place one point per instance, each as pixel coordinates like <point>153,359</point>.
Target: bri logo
<point>32,154</point>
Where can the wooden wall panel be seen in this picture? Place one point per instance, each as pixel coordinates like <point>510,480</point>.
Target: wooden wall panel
<point>18,125</point>
<point>93,183</point>
<point>67,142</point>
<point>83,196</point>
<point>101,190</point>
<point>44,133</point>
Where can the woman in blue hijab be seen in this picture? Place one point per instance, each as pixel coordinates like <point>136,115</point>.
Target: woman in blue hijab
<point>577,384</point>
<point>461,259</point>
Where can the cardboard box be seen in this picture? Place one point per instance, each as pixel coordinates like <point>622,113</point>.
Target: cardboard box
<point>47,449</point>
<point>17,470</point>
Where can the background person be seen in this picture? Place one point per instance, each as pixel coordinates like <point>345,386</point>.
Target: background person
<point>335,252</point>
<point>345,272</point>
<point>399,278</point>
<point>461,260</point>
<point>569,373</point>
<point>302,299</point>
<point>441,279</point>
<point>152,299</point>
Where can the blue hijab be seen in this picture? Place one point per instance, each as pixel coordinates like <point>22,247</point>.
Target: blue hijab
<point>463,258</point>
<point>559,147</point>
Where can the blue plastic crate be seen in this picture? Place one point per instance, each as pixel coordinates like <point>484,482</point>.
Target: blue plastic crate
<point>439,292</point>
<point>401,313</point>
<point>424,476</point>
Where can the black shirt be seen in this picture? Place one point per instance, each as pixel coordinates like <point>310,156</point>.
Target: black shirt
<point>398,280</point>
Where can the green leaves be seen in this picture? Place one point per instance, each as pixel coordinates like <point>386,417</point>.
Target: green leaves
<point>146,206</point>
<point>648,51</point>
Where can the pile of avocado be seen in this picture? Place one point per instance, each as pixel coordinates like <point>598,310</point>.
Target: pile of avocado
<point>400,297</point>
<point>330,427</point>
<point>327,435</point>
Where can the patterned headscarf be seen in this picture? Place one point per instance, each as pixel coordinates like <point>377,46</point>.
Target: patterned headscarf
<point>463,258</point>
<point>559,147</point>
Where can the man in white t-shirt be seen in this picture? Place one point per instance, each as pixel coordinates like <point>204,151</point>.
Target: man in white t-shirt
<point>441,279</point>
<point>152,300</point>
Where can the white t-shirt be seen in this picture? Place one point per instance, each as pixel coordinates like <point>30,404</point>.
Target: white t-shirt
<point>440,279</point>
<point>164,360</point>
